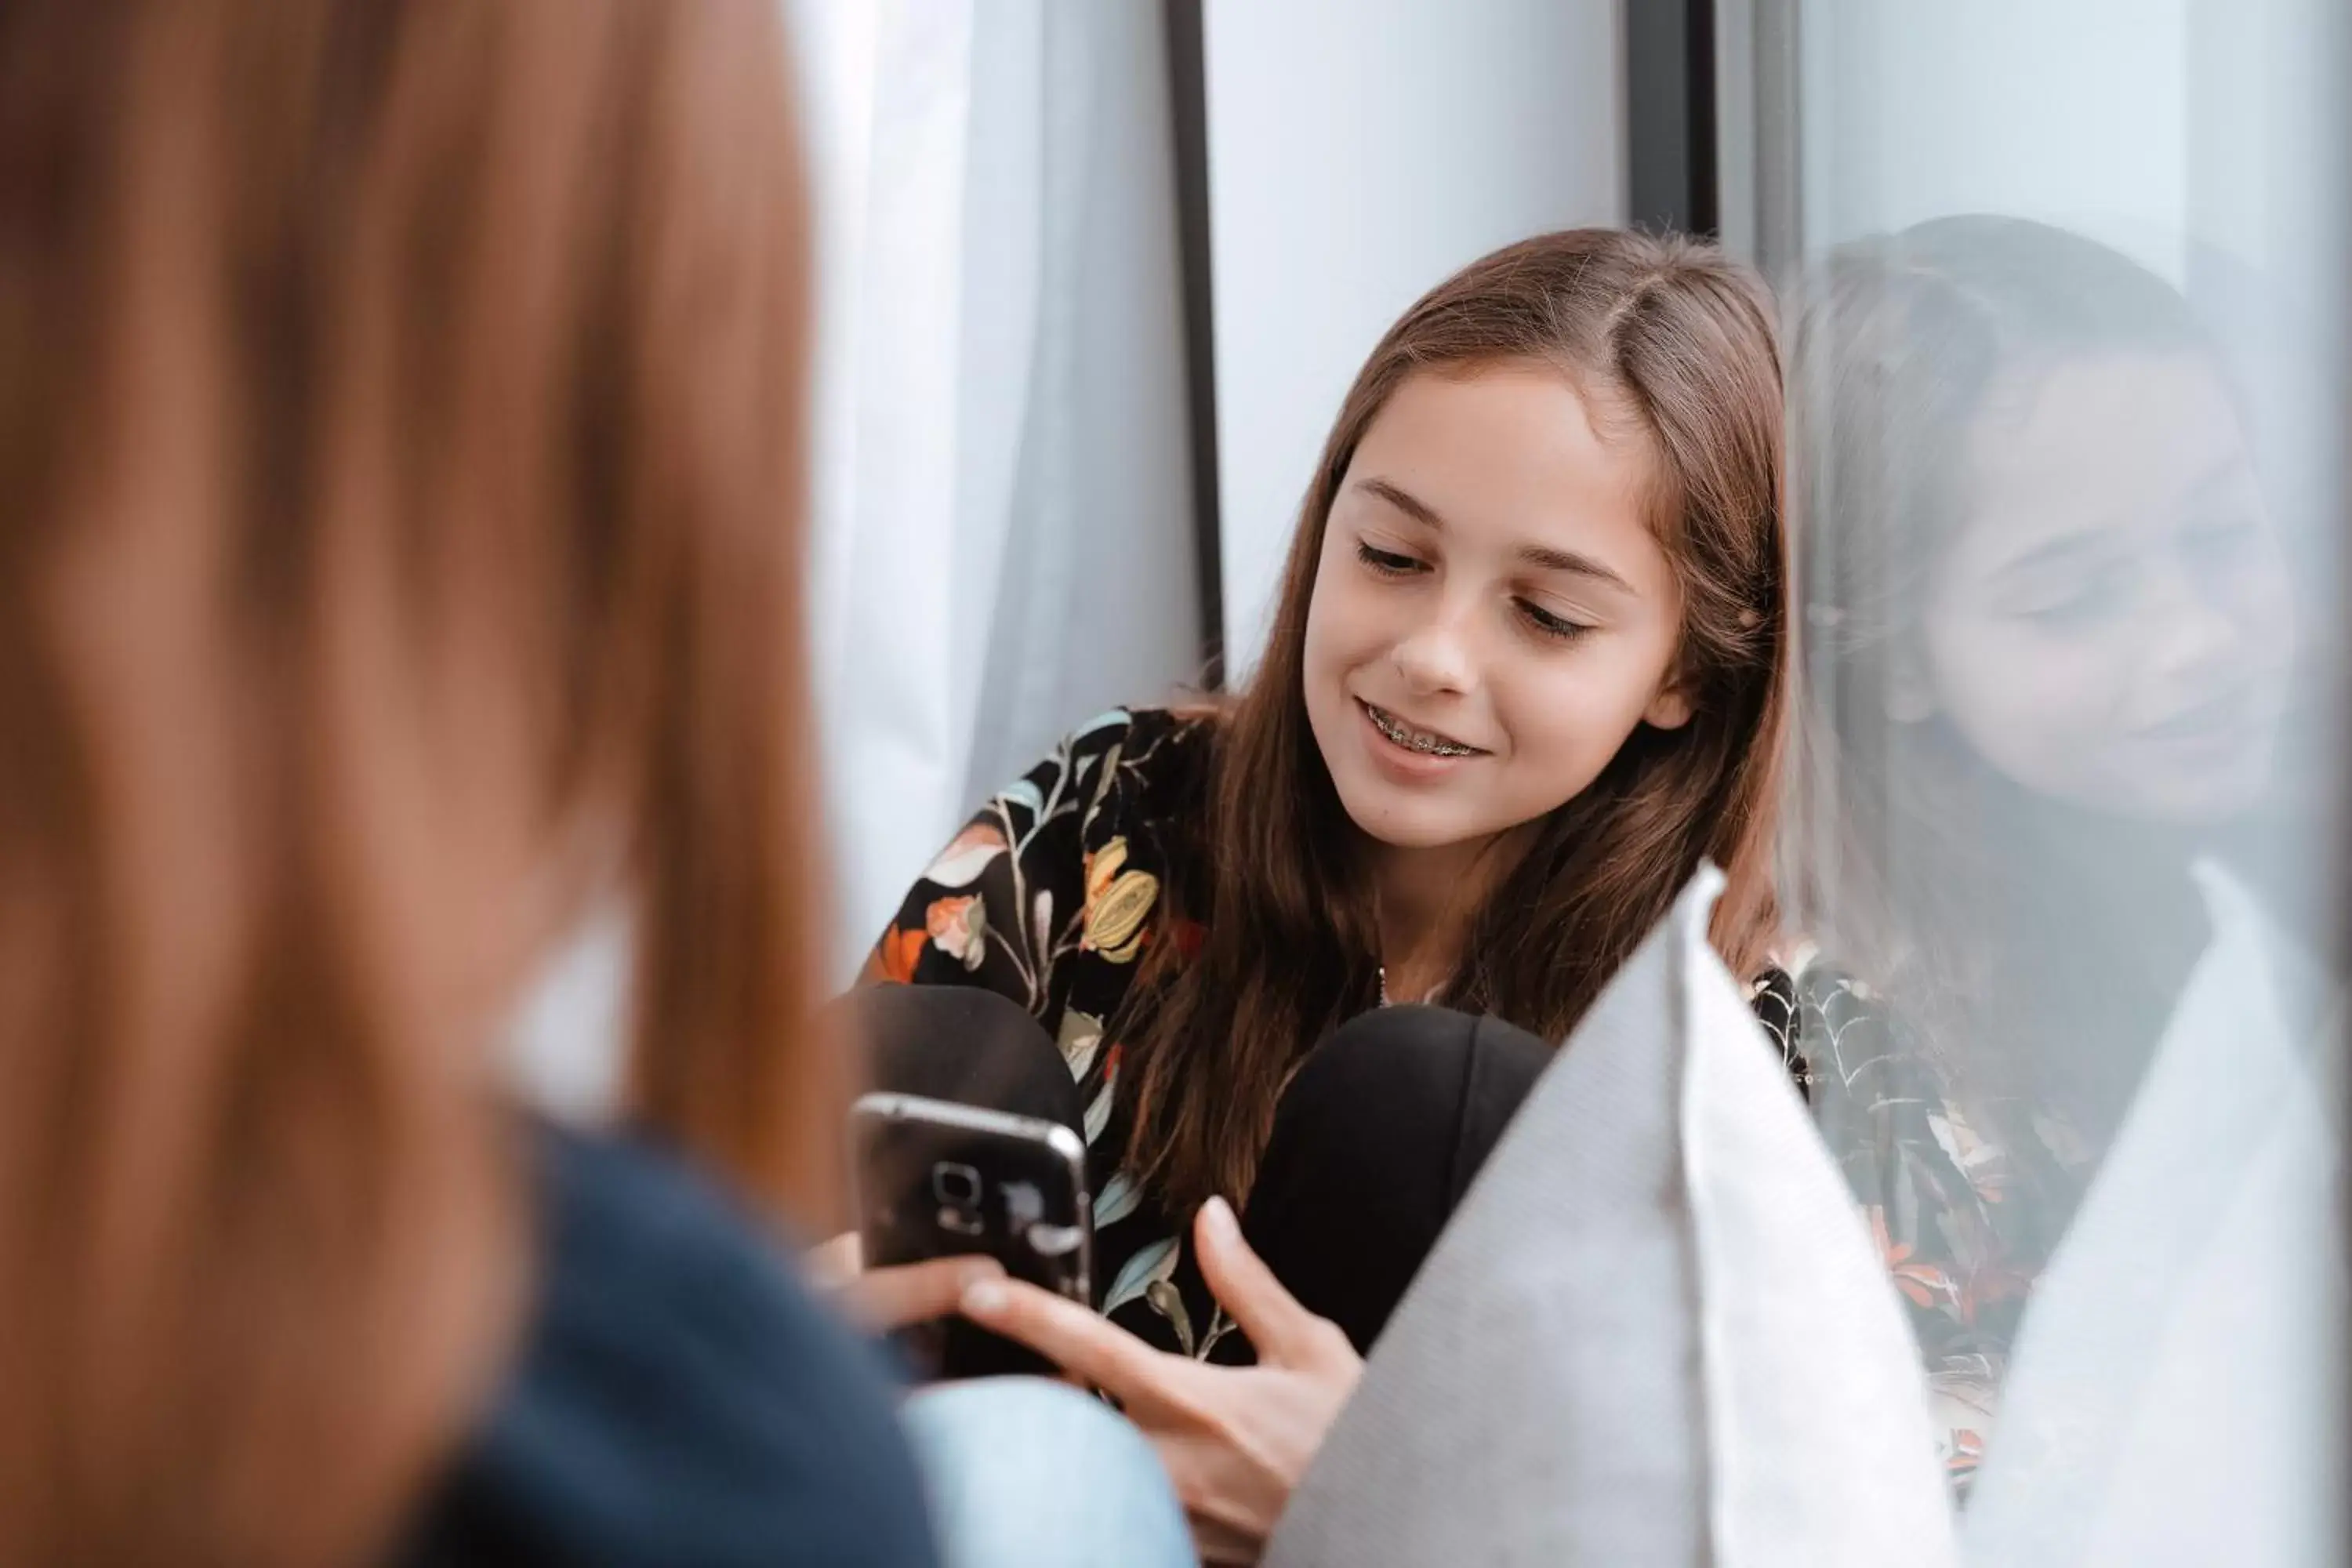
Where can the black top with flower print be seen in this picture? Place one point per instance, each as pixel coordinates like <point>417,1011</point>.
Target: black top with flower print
<point>1051,896</point>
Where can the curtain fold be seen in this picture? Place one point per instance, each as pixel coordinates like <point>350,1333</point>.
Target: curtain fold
<point>1001,529</point>
<point>1003,538</point>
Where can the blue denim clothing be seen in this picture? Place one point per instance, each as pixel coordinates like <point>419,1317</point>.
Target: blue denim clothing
<point>1025,1473</point>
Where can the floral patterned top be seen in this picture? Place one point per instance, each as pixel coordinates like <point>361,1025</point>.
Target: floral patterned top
<point>1051,896</point>
<point>1054,892</point>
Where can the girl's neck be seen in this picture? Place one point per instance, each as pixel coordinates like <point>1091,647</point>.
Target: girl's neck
<point>1425,899</point>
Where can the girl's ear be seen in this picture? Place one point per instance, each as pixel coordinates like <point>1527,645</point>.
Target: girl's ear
<point>1670,709</point>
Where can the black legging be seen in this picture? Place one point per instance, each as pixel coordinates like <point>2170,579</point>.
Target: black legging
<point>1374,1142</point>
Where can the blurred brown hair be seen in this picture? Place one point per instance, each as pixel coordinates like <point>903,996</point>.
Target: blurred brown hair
<point>1672,345</point>
<point>400,451</point>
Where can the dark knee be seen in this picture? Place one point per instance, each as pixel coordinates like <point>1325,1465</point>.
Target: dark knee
<point>1377,1136</point>
<point>960,1043</point>
<point>1407,1062</point>
<point>1392,1057</point>
<point>1421,1086</point>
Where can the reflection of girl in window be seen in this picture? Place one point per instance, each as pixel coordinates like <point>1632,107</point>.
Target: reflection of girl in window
<point>2048,629</point>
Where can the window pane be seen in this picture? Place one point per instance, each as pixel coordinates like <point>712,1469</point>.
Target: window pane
<point>2066,373</point>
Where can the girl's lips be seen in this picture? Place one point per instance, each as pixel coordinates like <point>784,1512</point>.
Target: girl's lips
<point>1403,763</point>
<point>1414,737</point>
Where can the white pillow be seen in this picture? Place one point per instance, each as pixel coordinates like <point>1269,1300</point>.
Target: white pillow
<point>2173,1393</point>
<point>1656,1331</point>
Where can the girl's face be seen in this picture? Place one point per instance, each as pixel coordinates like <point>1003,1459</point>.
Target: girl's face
<point>1491,617</point>
<point>2112,626</point>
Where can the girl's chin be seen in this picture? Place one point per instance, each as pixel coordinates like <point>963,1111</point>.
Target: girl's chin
<point>1390,828</point>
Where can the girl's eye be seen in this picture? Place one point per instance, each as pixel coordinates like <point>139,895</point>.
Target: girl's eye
<point>2080,606</point>
<point>1551,625</point>
<point>1387,562</point>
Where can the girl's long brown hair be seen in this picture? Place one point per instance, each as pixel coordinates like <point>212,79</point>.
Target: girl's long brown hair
<point>1674,345</point>
<point>400,414</point>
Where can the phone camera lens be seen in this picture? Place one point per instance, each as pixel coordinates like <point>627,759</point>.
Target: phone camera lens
<point>957,1186</point>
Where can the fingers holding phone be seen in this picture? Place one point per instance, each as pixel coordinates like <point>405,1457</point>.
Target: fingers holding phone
<point>900,1295</point>
<point>944,1187</point>
<point>1235,1440</point>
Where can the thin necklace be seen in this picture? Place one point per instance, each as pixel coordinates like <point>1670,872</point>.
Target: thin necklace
<point>1384,988</point>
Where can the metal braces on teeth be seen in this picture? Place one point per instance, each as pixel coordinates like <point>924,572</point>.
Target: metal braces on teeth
<point>1412,740</point>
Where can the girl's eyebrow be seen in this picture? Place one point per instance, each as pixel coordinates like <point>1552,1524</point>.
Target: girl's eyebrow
<point>1550,560</point>
<point>1542,556</point>
<point>1412,506</point>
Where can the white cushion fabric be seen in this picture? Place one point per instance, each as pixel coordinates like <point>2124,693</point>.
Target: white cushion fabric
<point>2173,1391</point>
<point>1656,1331</point>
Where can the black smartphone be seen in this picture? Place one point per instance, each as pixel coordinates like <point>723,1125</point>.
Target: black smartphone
<point>937,1179</point>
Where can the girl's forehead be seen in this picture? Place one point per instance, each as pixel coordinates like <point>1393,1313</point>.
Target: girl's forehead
<point>2103,454</point>
<point>1507,458</point>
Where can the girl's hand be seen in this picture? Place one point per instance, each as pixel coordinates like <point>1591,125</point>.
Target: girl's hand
<point>1235,1440</point>
<point>880,1299</point>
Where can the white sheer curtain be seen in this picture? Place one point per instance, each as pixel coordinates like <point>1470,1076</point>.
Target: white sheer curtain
<point>1003,538</point>
<point>1003,523</point>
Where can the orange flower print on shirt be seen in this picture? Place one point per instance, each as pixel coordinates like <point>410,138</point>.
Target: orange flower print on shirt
<point>967,856</point>
<point>894,957</point>
<point>1923,1283</point>
<point>959,928</point>
<point>1967,1454</point>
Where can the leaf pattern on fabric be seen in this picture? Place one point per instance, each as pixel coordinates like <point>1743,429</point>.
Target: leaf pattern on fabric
<point>961,864</point>
<point>1111,718</point>
<point>1119,1198</point>
<point>1221,1324</point>
<point>1149,1266</point>
<point>1041,921</point>
<point>1099,1112</point>
<point>1025,794</point>
<point>1162,1297</point>
<point>1082,1036</point>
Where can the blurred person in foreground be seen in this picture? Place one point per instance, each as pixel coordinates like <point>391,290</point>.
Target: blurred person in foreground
<point>400,413</point>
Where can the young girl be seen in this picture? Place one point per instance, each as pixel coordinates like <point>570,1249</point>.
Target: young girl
<point>1526,673</point>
